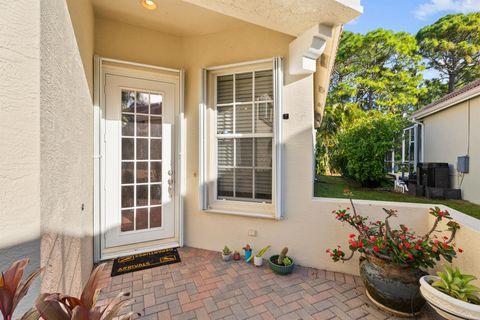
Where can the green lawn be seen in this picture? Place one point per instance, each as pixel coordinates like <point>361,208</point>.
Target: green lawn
<point>333,186</point>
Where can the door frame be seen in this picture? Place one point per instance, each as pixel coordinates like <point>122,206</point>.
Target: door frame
<point>149,72</point>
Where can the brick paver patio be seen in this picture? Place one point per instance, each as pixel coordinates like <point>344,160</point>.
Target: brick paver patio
<point>203,286</point>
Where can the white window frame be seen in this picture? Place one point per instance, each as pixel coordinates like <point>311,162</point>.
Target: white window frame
<point>208,136</point>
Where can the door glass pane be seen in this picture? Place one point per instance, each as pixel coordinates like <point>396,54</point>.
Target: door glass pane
<point>128,101</point>
<point>155,171</point>
<point>127,149</point>
<point>128,125</point>
<point>127,220</point>
<point>142,172</point>
<point>127,196</point>
<point>155,217</point>
<point>127,172</point>
<point>155,149</point>
<point>142,149</point>
<point>156,101</point>
<point>156,126</point>
<point>142,102</point>
<point>155,194</point>
<point>141,178</point>
<point>142,195</point>
<point>142,219</point>
<point>142,126</point>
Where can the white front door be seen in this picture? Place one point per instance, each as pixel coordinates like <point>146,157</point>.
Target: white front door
<point>139,163</point>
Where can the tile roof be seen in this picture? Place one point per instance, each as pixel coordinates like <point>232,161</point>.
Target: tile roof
<point>446,98</point>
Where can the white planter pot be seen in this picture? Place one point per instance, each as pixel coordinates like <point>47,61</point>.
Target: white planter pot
<point>446,306</point>
<point>257,261</point>
<point>226,257</point>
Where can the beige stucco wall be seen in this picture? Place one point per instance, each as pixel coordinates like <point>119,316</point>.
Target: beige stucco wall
<point>83,21</point>
<point>66,124</point>
<point>447,136</point>
<point>20,137</point>
<point>309,228</point>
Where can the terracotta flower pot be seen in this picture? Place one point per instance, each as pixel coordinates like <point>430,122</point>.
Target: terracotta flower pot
<point>393,288</point>
<point>446,306</point>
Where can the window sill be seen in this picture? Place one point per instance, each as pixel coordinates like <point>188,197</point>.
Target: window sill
<point>269,216</point>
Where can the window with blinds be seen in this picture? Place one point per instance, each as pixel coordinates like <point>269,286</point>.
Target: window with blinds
<point>244,136</point>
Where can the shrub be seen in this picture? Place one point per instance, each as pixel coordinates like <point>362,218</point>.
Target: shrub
<point>362,147</point>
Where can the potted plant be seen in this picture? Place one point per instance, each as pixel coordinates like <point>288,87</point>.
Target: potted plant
<point>248,253</point>
<point>257,259</point>
<point>281,263</point>
<point>451,294</point>
<point>236,255</point>
<point>391,261</point>
<point>226,254</point>
<point>12,289</point>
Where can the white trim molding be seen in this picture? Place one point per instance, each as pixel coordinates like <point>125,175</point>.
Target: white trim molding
<point>207,174</point>
<point>149,72</point>
<point>307,48</point>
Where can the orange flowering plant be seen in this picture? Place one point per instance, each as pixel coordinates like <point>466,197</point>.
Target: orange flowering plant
<point>399,246</point>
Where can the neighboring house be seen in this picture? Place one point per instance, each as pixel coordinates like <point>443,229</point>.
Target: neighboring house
<point>125,129</point>
<point>451,129</point>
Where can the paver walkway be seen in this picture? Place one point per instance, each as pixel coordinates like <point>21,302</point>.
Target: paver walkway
<point>203,286</point>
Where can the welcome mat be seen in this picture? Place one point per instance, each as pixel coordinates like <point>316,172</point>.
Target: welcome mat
<point>144,261</point>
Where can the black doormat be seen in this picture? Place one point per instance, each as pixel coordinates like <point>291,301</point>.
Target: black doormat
<point>144,261</point>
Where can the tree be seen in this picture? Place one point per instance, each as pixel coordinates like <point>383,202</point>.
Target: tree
<point>451,46</point>
<point>361,148</point>
<point>377,71</point>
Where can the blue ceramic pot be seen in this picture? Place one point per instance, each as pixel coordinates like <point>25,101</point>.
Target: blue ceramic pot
<point>248,254</point>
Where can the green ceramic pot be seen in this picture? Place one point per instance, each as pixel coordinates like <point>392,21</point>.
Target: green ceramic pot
<point>280,269</point>
<point>393,288</point>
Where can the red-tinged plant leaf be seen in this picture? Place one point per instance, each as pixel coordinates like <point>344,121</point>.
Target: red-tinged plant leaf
<point>107,311</point>
<point>14,274</point>
<point>24,286</point>
<point>50,308</point>
<point>96,313</point>
<point>31,314</point>
<point>6,302</point>
<point>80,313</point>
<point>90,292</point>
<point>69,301</point>
<point>115,306</point>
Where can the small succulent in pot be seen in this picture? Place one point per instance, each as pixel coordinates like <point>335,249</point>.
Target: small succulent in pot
<point>281,263</point>
<point>248,253</point>
<point>226,254</point>
<point>258,258</point>
<point>451,294</point>
<point>236,255</point>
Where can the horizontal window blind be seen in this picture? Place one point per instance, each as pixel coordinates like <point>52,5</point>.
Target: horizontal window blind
<point>244,122</point>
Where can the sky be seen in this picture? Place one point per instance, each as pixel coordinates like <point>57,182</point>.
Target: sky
<point>406,15</point>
